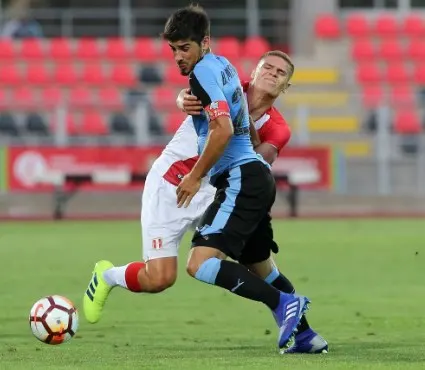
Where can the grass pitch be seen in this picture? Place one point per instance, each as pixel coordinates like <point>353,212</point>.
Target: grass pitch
<point>365,279</point>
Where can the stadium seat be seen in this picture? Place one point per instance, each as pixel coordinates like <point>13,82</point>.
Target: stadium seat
<point>363,50</point>
<point>407,122</point>
<point>419,73</point>
<point>416,50</point>
<point>122,75</point>
<point>110,98</point>
<point>7,50</point>
<point>228,47</point>
<point>150,75</point>
<point>396,72</point>
<point>402,96</point>
<point>357,25</point>
<point>117,48</point>
<point>327,27</point>
<point>23,97</point>
<point>413,26</point>
<point>164,98</point>
<point>88,48</point>
<point>60,49</point>
<point>37,74</point>
<point>4,99</point>
<point>51,96</point>
<point>386,25</point>
<point>80,97</point>
<point>372,96</point>
<point>173,122</point>
<point>72,126</point>
<point>34,124</point>
<point>32,48</point>
<point>144,50</point>
<point>93,74</point>
<point>10,74</point>
<point>65,74</point>
<point>8,125</point>
<point>255,47</point>
<point>368,73</point>
<point>173,76</point>
<point>93,123</point>
<point>120,124</point>
<point>155,127</point>
<point>390,49</point>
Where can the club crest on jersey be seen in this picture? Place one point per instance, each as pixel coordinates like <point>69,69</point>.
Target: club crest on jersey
<point>157,243</point>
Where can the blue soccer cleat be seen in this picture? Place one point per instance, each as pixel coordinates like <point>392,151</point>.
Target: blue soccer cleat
<point>308,342</point>
<point>288,315</point>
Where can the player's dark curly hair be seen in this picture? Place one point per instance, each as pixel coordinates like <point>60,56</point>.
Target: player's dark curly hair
<point>190,23</point>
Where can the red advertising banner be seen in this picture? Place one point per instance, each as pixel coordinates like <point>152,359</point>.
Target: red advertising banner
<point>310,167</point>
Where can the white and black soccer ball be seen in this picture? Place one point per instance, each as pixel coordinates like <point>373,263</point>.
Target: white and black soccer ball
<point>53,319</point>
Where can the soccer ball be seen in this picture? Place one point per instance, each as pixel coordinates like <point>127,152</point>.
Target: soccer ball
<point>53,319</point>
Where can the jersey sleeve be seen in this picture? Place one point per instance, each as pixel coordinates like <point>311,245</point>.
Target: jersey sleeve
<point>276,134</point>
<point>205,87</point>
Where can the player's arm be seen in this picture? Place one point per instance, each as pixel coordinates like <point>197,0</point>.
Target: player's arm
<point>204,86</point>
<point>273,141</point>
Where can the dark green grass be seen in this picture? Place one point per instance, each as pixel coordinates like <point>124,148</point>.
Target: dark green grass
<point>366,280</point>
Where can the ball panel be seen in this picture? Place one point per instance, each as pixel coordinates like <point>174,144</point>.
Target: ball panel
<point>39,331</point>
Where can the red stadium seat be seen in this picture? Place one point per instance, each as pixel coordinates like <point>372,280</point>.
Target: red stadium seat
<point>88,48</point>
<point>327,27</point>
<point>396,72</point>
<point>93,123</point>
<point>255,47</point>
<point>8,49</point>
<point>390,49</point>
<point>419,73</point>
<point>363,50</point>
<point>23,97</point>
<point>164,97</point>
<point>372,96</point>
<point>117,48</point>
<point>173,76</point>
<point>10,74</point>
<point>65,74</point>
<point>386,25</point>
<point>80,96</point>
<point>407,122</point>
<point>416,50</point>
<point>38,74</point>
<point>60,49</point>
<point>228,47</point>
<point>414,25</point>
<point>123,75</point>
<point>402,96</point>
<point>93,74</point>
<point>357,25</point>
<point>51,96</point>
<point>110,98</point>
<point>144,49</point>
<point>33,48</point>
<point>173,122</point>
<point>368,73</point>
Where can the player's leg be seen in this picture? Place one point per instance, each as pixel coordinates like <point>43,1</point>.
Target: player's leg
<point>226,225</point>
<point>163,227</point>
<point>259,248</point>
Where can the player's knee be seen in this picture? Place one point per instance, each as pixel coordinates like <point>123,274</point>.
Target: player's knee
<point>192,267</point>
<point>162,282</point>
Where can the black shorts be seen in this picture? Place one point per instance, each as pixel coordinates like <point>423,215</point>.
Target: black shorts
<point>244,197</point>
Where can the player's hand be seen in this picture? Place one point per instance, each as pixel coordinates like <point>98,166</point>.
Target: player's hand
<point>187,189</point>
<point>189,103</point>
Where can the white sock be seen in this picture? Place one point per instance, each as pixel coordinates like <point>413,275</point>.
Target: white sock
<point>116,276</point>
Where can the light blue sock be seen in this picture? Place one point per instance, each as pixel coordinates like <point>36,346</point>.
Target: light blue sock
<point>208,271</point>
<point>272,276</point>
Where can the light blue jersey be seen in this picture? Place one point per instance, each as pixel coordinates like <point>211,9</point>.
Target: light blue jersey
<point>216,84</point>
